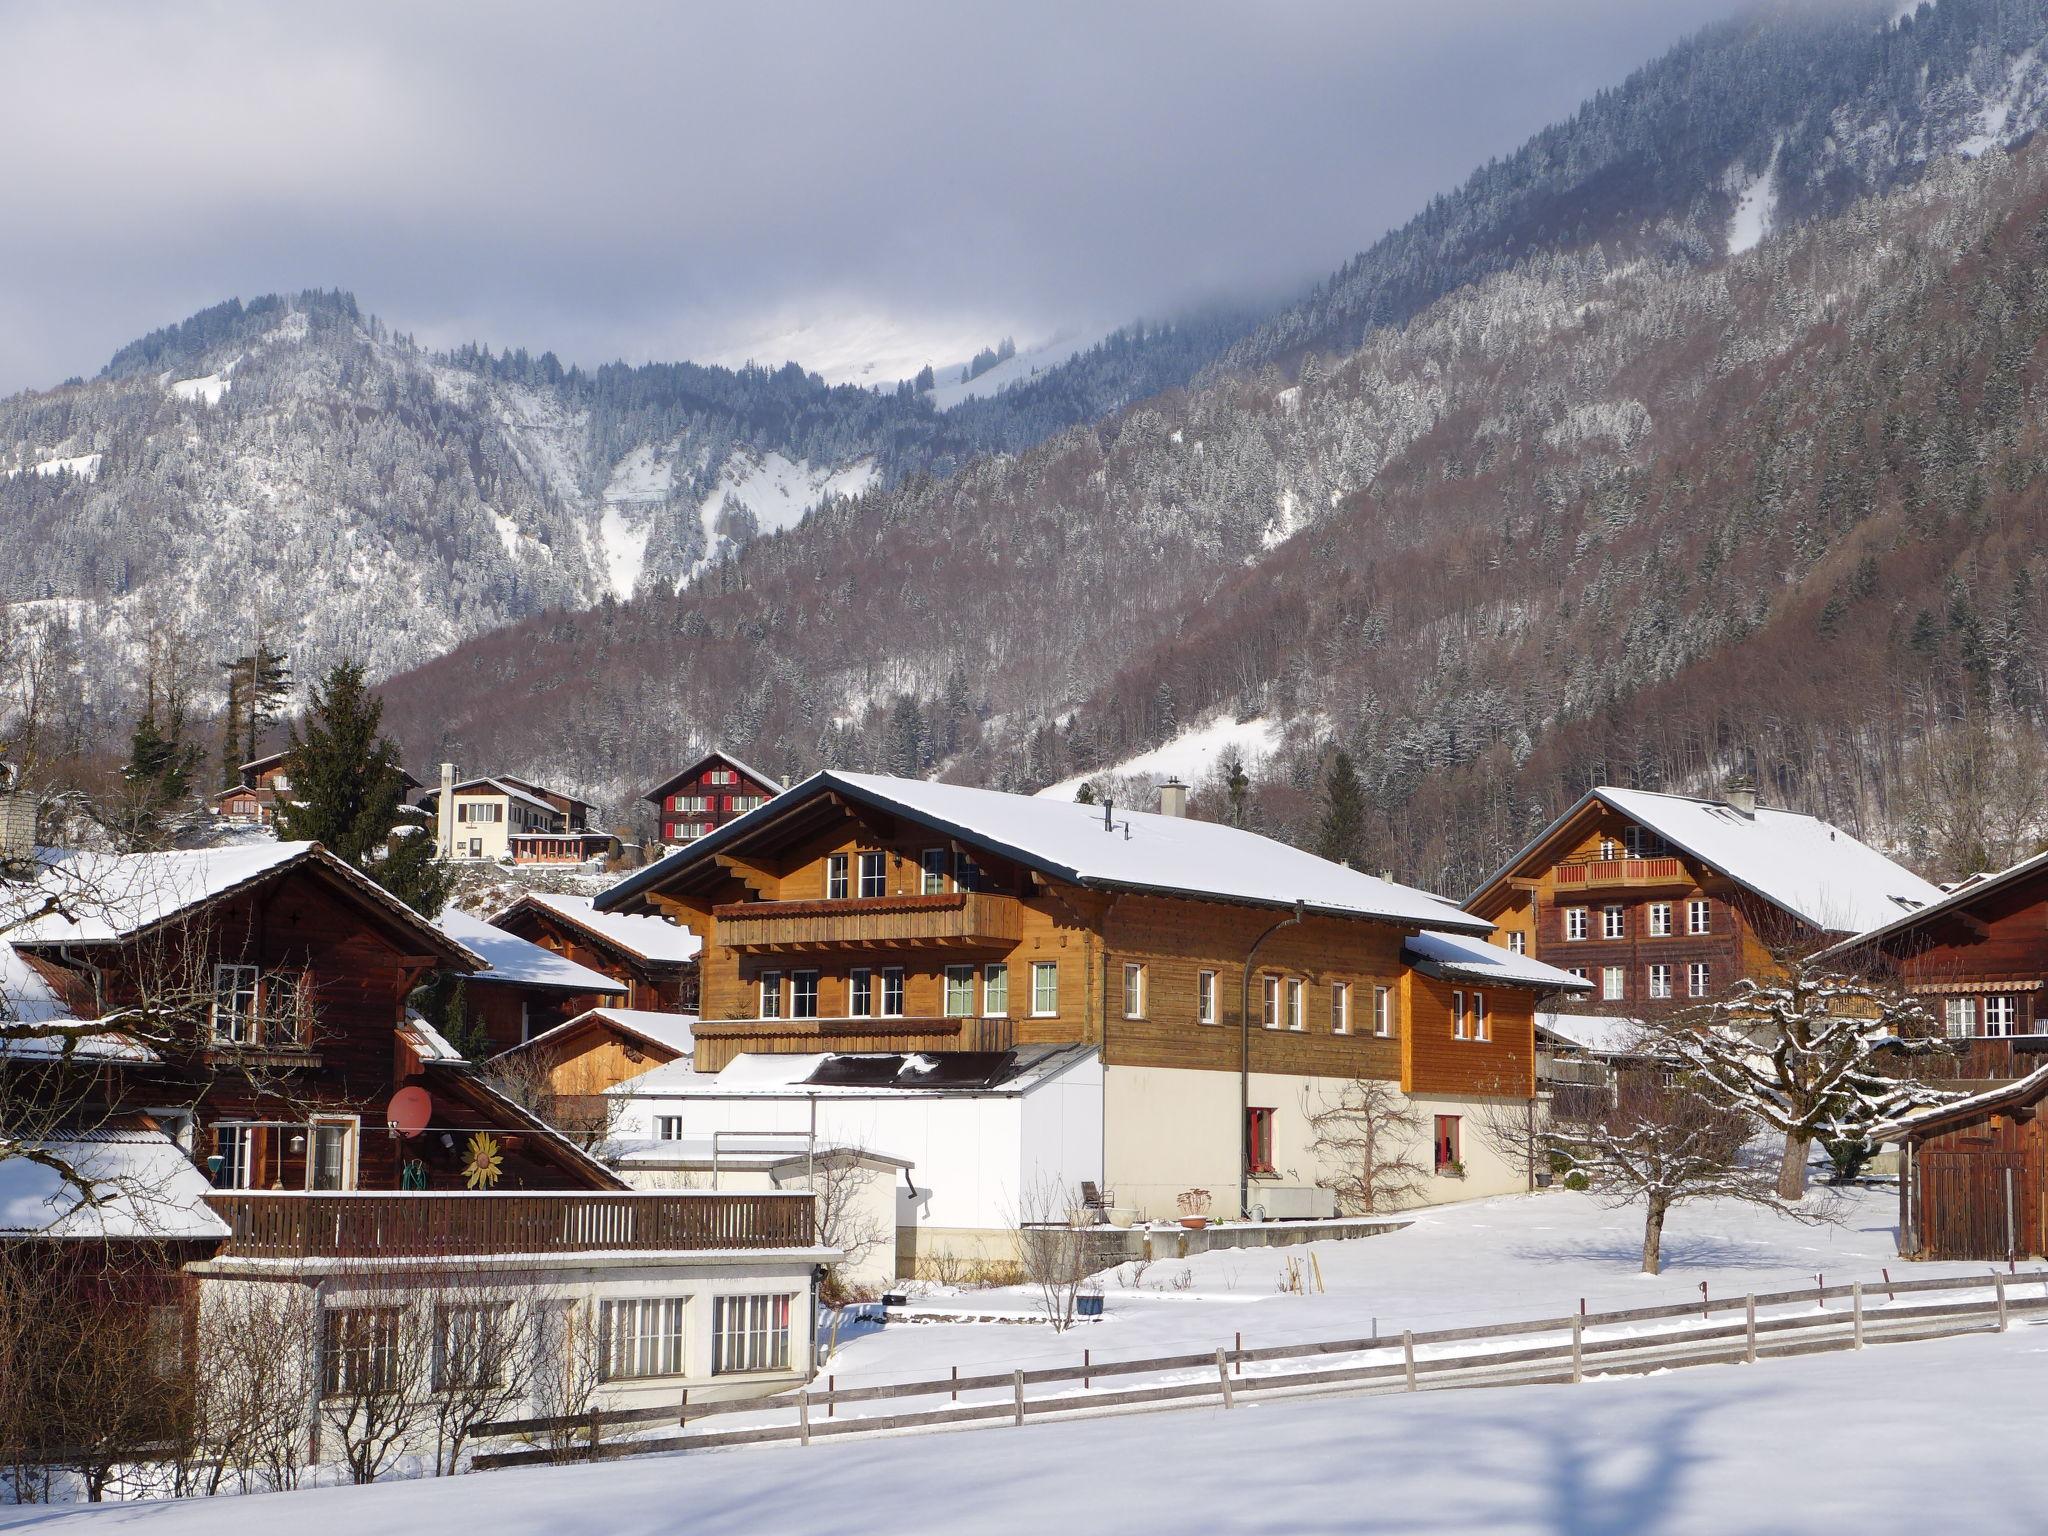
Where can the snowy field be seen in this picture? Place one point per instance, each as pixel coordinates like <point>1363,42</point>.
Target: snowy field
<point>1900,1438</point>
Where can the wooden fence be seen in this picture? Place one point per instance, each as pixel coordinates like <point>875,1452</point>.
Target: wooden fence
<point>1221,1374</point>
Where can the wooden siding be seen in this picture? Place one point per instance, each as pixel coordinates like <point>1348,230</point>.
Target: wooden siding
<point>957,917</point>
<point>654,988</point>
<point>1959,1184</point>
<point>1435,1063</point>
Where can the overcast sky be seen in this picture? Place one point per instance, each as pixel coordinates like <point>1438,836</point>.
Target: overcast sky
<point>844,183</point>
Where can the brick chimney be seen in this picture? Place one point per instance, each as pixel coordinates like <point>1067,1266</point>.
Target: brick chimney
<point>1173,798</point>
<point>444,814</point>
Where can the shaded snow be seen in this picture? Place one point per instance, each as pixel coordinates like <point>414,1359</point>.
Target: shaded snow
<point>1756,202</point>
<point>1026,365</point>
<point>208,388</point>
<point>85,465</point>
<point>778,492</point>
<point>1187,756</point>
<point>1995,117</point>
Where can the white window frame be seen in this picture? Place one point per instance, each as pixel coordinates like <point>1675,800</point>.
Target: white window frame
<point>642,1338</point>
<point>1134,990</point>
<point>931,872</point>
<point>1960,1015</point>
<point>771,995</point>
<point>1699,916</point>
<point>1383,1012</point>
<point>751,1335</point>
<point>1457,1014</point>
<point>957,991</point>
<point>838,878</point>
<point>1205,997</point>
<point>1340,1007</point>
<point>1577,924</point>
<point>1659,979</point>
<point>1518,942</point>
<point>1613,983</point>
<point>2001,1015</point>
<point>803,988</point>
<point>1614,921</point>
<point>244,1021</point>
<point>891,997</point>
<point>1698,979</point>
<point>668,1127</point>
<point>1482,1022</point>
<point>1045,989</point>
<point>1660,919</point>
<point>350,1127</point>
<point>1297,1005</point>
<point>878,863</point>
<point>238,1170</point>
<point>861,979</point>
<point>995,990</point>
<point>1269,1001</point>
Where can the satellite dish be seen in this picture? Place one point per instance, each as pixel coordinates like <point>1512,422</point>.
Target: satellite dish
<point>409,1110</point>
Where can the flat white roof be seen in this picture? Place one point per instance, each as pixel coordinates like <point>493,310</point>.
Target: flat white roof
<point>1464,956</point>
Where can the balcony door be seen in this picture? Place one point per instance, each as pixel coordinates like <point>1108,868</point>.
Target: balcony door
<point>331,1153</point>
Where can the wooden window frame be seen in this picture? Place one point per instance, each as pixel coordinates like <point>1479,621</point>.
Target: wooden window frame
<point>1134,989</point>
<point>1205,998</point>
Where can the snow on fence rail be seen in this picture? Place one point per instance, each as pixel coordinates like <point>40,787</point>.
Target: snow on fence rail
<point>1220,1372</point>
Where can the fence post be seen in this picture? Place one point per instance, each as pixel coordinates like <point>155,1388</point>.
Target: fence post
<point>1856,1308</point>
<point>1019,1380</point>
<point>1223,1375</point>
<point>803,1417</point>
<point>1085,1382</point>
<point>832,1387</point>
<point>1237,1350</point>
<point>1408,1355</point>
<point>1578,1343</point>
<point>1999,1283</point>
<point>1749,1338</point>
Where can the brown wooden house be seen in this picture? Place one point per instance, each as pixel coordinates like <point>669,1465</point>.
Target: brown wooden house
<point>524,989</point>
<point>252,799</point>
<point>706,795</point>
<point>652,960</point>
<point>859,914</point>
<point>1973,1174</point>
<point>1658,899</point>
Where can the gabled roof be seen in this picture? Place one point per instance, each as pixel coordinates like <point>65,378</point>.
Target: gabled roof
<point>511,789</point>
<point>660,791</point>
<point>1462,957</point>
<point>258,764</point>
<point>39,1022</point>
<point>108,898</point>
<point>1600,1033</point>
<point>670,1032</point>
<point>1964,895</point>
<point>654,939</point>
<point>1800,864</point>
<point>2017,1094</point>
<point>520,962</point>
<point>1136,851</point>
<point>144,1183</point>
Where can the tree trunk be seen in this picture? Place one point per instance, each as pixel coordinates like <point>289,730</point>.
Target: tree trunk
<point>1792,1175</point>
<point>1653,1237</point>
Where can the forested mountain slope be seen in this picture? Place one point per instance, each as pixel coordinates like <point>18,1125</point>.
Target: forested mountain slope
<point>1632,510</point>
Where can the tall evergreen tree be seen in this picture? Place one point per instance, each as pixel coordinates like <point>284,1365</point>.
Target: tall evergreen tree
<point>1341,835</point>
<point>348,793</point>
<point>155,805</point>
<point>258,685</point>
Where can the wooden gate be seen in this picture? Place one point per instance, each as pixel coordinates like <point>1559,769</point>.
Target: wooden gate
<point>1977,1204</point>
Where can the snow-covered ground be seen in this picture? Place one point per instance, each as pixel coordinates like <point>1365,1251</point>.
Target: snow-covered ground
<point>948,390</point>
<point>1187,756</point>
<point>1907,1438</point>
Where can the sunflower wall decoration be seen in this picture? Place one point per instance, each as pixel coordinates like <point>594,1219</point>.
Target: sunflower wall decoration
<point>485,1162</point>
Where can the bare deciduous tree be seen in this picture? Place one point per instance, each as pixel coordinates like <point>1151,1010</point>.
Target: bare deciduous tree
<point>1366,1133</point>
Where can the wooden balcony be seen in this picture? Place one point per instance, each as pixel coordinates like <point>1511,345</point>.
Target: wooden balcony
<point>719,1040</point>
<point>963,919</point>
<point>1604,874</point>
<point>448,1224</point>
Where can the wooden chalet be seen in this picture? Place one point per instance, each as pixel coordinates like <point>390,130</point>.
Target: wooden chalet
<point>1658,899</point>
<point>1978,958</point>
<point>706,795</point>
<point>252,799</point>
<point>861,914</point>
<point>1973,1174</point>
<point>601,1048</point>
<point>651,960</point>
<point>525,989</point>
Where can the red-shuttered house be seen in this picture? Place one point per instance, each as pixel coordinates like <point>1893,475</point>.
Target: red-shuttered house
<point>708,794</point>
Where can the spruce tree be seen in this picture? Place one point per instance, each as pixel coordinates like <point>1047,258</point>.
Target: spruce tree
<point>155,804</point>
<point>1237,785</point>
<point>348,793</point>
<point>1341,836</point>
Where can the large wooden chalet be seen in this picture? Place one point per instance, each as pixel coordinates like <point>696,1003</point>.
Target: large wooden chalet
<point>1659,899</point>
<point>860,914</point>
<point>706,795</point>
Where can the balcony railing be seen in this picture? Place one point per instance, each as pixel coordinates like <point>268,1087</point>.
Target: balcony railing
<point>448,1224</point>
<point>957,918</point>
<point>1607,872</point>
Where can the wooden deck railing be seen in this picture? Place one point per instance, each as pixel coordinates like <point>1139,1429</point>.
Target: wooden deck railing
<point>1621,872</point>
<point>959,917</point>
<point>291,1225</point>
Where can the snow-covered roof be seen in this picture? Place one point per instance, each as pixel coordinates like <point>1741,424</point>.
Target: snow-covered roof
<point>1465,957</point>
<point>1596,1032</point>
<point>771,1151</point>
<point>2020,1091</point>
<point>1802,864</point>
<point>431,1044</point>
<point>26,998</point>
<point>108,898</point>
<point>772,785</point>
<point>146,1187</point>
<point>509,958</point>
<point>758,1075</point>
<point>670,1031</point>
<point>1135,850</point>
<point>501,787</point>
<point>651,938</point>
<point>1963,894</point>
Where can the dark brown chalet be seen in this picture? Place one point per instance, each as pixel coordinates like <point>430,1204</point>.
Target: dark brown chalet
<point>1973,1174</point>
<point>1978,958</point>
<point>652,960</point>
<point>252,799</point>
<point>708,794</point>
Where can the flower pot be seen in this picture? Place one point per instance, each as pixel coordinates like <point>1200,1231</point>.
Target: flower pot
<point>1194,1221</point>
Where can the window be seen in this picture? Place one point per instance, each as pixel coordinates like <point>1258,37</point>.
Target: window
<point>1297,1006</point>
<point>1269,1001</point>
<point>1457,1015</point>
<point>1696,982</point>
<point>892,991</point>
<point>330,1154</point>
<point>1045,989</point>
<point>1134,991</point>
<point>741,804</point>
<point>1258,1140</point>
<point>967,875</point>
<point>1999,1014</point>
<point>642,1337</point>
<point>1340,1007</point>
<point>472,1346</point>
<point>1609,848</point>
<point>1961,1015</point>
<point>1613,984</point>
<point>668,1127</point>
<point>749,1333</point>
<point>771,994</point>
<point>1699,915</point>
<point>1205,997</point>
<point>1643,844</point>
<point>959,991</point>
<point>835,877</point>
<point>1576,970</point>
<point>860,993</point>
<point>1660,919</point>
<point>1482,1027</point>
<point>803,994</point>
<point>874,874</point>
<point>288,1008</point>
<point>164,1335</point>
<point>1574,923</point>
<point>932,872</point>
<point>1518,943</point>
<point>995,991</point>
<point>1660,981</point>
<point>236,1147</point>
<point>1450,1151</point>
<point>1613,923</point>
<point>234,1003</point>
<point>360,1350</point>
<point>1383,1012</point>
